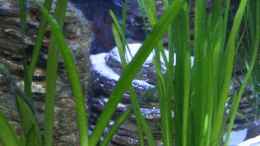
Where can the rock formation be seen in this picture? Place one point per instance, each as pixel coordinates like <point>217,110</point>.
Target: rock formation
<point>15,46</point>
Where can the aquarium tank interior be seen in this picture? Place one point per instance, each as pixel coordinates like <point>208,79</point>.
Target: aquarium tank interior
<point>129,72</point>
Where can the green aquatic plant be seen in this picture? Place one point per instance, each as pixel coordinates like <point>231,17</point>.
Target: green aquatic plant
<point>199,92</point>
<point>8,135</point>
<point>133,67</point>
<point>23,14</point>
<point>72,75</point>
<point>254,29</point>
<point>32,134</point>
<point>23,20</point>
<point>36,50</point>
<point>192,94</point>
<point>115,127</point>
<point>254,32</point>
<point>120,40</point>
<point>52,67</point>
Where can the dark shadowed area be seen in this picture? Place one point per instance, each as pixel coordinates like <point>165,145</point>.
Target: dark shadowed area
<point>97,12</point>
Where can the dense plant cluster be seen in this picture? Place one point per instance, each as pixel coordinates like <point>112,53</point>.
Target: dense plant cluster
<point>192,94</point>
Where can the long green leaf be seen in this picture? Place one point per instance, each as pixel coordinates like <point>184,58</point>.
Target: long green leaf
<point>115,127</point>
<point>36,49</point>
<point>133,67</point>
<point>7,134</point>
<point>23,20</point>
<point>23,14</point>
<point>162,84</point>
<point>29,123</point>
<point>237,97</point>
<point>141,123</point>
<point>52,66</point>
<point>73,78</point>
<point>255,43</point>
<point>182,96</point>
<point>229,55</point>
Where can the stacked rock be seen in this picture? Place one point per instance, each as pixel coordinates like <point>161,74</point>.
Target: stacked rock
<point>16,46</point>
<point>105,72</point>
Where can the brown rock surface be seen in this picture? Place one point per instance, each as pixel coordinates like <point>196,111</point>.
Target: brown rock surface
<point>15,46</point>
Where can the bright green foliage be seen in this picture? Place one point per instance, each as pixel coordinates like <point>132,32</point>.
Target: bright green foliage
<point>132,68</point>
<point>36,50</point>
<point>192,94</point>
<point>143,127</point>
<point>23,14</point>
<point>164,84</point>
<point>23,19</point>
<point>115,127</point>
<point>32,134</point>
<point>52,66</point>
<point>7,134</point>
<point>201,91</point>
<point>31,130</point>
<point>254,35</point>
<point>254,31</point>
<point>73,77</point>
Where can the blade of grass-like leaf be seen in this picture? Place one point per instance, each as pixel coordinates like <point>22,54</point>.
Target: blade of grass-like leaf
<point>253,26</point>
<point>229,55</point>
<point>21,140</point>
<point>52,66</point>
<point>141,5</point>
<point>119,38</point>
<point>23,19</point>
<point>33,137</point>
<point>73,77</point>
<point>199,71</point>
<point>133,67</point>
<point>165,98</point>
<point>226,16</point>
<point>23,14</point>
<point>237,97</point>
<point>182,96</point>
<point>215,74</point>
<point>36,49</point>
<point>150,10</point>
<point>253,20</point>
<point>29,123</point>
<point>7,134</point>
<point>121,43</point>
<point>169,84</point>
<point>115,127</point>
<point>140,119</point>
<point>25,110</point>
<point>121,50</point>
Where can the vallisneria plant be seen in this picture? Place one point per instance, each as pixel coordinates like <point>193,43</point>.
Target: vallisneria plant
<point>196,92</point>
<point>119,35</point>
<point>192,94</point>
<point>133,67</point>
<point>254,28</point>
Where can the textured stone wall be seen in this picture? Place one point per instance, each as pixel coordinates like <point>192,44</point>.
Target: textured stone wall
<point>15,46</point>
